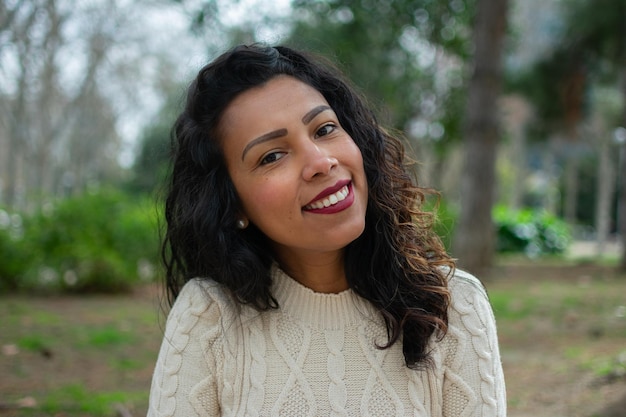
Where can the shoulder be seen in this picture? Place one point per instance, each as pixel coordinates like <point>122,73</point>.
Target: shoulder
<point>470,352</point>
<point>465,285</point>
<point>201,303</point>
<point>198,294</point>
<point>470,307</point>
<point>187,360</point>
<point>202,291</point>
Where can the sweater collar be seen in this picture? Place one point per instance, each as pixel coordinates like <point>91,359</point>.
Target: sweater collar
<point>319,310</point>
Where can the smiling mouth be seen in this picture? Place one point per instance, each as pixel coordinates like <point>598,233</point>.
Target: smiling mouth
<point>329,200</point>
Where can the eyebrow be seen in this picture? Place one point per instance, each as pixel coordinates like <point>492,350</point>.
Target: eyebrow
<point>306,119</point>
<point>310,115</point>
<point>264,138</point>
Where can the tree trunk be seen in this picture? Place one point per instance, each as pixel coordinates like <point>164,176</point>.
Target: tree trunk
<point>474,237</point>
<point>571,189</point>
<point>519,169</point>
<point>621,199</point>
<point>18,116</point>
<point>549,197</point>
<point>605,186</point>
<point>621,214</point>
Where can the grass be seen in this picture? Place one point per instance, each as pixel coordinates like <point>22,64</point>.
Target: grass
<point>570,304</point>
<point>108,336</point>
<point>562,330</point>
<point>77,400</point>
<point>78,356</point>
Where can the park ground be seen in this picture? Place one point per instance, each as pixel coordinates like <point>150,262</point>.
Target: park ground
<point>561,324</point>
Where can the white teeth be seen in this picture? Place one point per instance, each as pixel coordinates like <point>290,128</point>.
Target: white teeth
<point>330,200</point>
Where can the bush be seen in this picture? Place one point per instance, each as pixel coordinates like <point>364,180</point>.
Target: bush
<point>14,253</point>
<point>99,242</point>
<point>528,231</point>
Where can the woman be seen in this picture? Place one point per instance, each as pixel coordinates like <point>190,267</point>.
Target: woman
<point>305,280</point>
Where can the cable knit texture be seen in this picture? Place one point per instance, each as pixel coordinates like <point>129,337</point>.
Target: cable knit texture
<point>316,356</point>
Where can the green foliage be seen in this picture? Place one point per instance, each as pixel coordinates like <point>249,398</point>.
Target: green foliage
<point>151,165</point>
<point>596,27</point>
<point>445,218</point>
<point>98,242</point>
<point>14,253</point>
<point>393,63</point>
<point>589,48</point>
<point>530,231</point>
<point>552,86</point>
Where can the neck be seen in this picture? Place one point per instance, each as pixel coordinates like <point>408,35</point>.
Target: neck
<point>321,272</point>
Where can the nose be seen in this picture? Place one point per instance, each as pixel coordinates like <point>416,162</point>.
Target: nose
<point>317,162</point>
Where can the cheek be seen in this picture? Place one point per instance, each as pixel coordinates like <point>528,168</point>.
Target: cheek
<point>264,197</point>
<point>352,149</point>
<point>357,157</point>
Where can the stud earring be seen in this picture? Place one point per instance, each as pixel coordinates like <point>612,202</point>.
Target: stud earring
<point>242,223</point>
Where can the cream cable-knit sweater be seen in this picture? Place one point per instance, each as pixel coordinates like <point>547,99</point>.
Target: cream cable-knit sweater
<point>317,356</point>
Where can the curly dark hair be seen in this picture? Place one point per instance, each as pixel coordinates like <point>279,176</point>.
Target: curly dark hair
<point>397,261</point>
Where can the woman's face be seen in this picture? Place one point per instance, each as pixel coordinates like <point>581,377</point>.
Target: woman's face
<point>299,175</point>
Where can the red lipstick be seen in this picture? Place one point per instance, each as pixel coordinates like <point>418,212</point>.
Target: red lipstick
<point>342,200</point>
<point>330,190</point>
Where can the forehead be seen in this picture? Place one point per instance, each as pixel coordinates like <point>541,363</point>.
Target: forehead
<point>280,103</point>
<point>280,96</point>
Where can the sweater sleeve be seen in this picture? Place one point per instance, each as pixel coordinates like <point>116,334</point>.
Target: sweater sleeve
<point>183,382</point>
<point>473,378</point>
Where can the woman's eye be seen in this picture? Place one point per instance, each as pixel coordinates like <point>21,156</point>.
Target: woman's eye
<point>325,130</point>
<point>272,157</point>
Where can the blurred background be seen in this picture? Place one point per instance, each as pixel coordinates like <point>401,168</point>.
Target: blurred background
<point>515,110</point>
